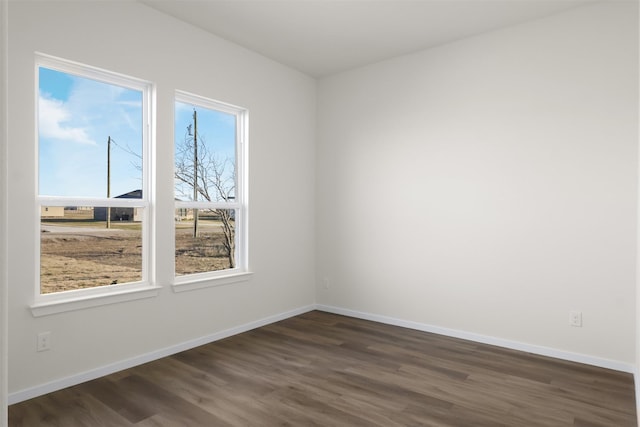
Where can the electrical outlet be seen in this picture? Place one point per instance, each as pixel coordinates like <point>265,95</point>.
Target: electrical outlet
<point>325,282</point>
<point>44,341</point>
<point>575,318</point>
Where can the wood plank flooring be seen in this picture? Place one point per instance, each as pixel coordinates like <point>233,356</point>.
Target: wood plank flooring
<point>328,370</point>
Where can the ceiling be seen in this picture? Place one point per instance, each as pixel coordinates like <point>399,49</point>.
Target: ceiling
<point>322,37</point>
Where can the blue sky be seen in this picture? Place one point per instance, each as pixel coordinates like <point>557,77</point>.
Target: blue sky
<point>76,117</point>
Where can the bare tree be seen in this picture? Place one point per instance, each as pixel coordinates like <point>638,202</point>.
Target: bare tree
<point>215,182</point>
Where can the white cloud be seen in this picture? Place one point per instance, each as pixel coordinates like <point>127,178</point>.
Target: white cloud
<point>54,117</point>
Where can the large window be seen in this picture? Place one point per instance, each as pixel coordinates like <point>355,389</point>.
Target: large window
<point>210,206</point>
<point>94,200</point>
<point>93,178</point>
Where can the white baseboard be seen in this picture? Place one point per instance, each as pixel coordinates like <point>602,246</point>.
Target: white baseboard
<point>514,345</point>
<point>61,383</point>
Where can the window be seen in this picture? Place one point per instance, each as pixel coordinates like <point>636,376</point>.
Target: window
<point>210,198</point>
<point>93,179</point>
<point>94,200</point>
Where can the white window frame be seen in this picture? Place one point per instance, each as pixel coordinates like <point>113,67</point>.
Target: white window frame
<point>57,302</point>
<point>241,271</point>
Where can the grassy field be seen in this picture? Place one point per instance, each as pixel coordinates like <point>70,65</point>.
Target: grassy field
<point>82,253</point>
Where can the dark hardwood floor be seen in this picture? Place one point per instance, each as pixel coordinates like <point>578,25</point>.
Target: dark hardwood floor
<point>328,370</point>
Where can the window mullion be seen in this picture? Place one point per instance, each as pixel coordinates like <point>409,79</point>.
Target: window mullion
<point>114,202</point>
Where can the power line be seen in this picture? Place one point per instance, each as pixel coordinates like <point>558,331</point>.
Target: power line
<point>126,150</point>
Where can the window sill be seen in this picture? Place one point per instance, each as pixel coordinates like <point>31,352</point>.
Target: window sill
<point>209,282</point>
<point>46,308</point>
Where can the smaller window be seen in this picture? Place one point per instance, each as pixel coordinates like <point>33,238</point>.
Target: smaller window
<point>210,198</point>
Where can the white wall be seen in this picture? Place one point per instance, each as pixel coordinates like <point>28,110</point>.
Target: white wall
<point>4,19</point>
<point>490,185</point>
<point>637,320</point>
<point>129,38</point>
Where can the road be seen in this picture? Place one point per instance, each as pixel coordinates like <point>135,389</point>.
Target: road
<point>78,230</point>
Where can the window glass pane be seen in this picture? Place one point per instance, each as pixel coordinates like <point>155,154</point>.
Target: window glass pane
<point>90,137</point>
<point>207,244</point>
<point>77,250</point>
<point>205,152</point>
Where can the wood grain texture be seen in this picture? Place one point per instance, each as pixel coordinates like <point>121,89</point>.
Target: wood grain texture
<point>328,370</point>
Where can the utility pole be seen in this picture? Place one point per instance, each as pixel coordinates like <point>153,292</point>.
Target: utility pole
<point>108,180</point>
<point>195,171</point>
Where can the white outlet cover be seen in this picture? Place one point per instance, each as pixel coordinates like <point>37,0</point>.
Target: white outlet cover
<point>575,318</point>
<point>44,341</point>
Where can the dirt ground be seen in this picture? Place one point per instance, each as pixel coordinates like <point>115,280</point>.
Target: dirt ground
<point>74,257</point>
